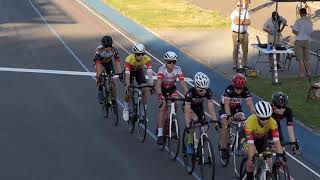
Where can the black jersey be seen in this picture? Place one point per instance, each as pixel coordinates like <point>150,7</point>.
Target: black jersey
<point>195,99</point>
<point>235,99</point>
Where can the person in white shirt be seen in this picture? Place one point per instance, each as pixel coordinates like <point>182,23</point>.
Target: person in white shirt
<point>303,28</point>
<point>244,22</point>
<point>274,33</point>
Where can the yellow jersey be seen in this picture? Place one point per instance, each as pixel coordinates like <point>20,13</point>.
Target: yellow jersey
<point>131,63</point>
<point>254,130</point>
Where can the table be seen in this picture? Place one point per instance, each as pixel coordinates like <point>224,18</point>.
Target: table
<point>266,51</point>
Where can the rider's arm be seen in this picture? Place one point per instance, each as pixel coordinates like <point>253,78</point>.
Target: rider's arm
<point>250,140</point>
<point>182,82</point>
<point>187,111</point>
<point>250,105</point>
<point>275,135</point>
<point>97,60</point>
<point>226,101</point>
<point>289,116</point>
<point>212,112</point>
<point>158,84</point>
<point>117,60</point>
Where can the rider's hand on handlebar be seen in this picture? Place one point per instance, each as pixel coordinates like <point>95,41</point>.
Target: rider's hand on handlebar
<point>296,148</point>
<point>280,159</point>
<point>121,77</point>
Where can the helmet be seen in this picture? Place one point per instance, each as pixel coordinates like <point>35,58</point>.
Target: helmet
<point>279,99</point>
<point>201,80</point>
<point>106,41</point>
<point>239,81</point>
<point>170,56</point>
<point>138,48</point>
<point>263,109</point>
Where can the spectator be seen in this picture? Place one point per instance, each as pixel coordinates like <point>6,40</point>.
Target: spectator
<point>274,33</point>
<point>303,28</point>
<point>244,22</point>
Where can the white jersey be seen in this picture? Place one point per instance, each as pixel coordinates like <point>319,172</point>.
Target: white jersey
<point>169,78</point>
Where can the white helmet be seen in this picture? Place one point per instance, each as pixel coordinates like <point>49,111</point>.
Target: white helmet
<point>138,48</point>
<point>201,80</point>
<point>170,56</point>
<point>263,109</point>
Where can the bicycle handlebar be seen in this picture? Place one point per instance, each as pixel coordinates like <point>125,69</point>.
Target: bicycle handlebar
<point>174,99</point>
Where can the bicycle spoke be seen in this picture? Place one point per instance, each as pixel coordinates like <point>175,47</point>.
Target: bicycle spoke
<point>142,122</point>
<point>189,160</point>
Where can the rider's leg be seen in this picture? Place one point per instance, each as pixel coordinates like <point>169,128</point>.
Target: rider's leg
<point>114,91</point>
<point>99,70</point>
<point>161,123</point>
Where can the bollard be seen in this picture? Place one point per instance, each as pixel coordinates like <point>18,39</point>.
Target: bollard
<point>275,77</point>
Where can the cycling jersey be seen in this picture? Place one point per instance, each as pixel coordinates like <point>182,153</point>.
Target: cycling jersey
<point>196,101</point>
<point>193,98</point>
<point>254,130</point>
<point>287,114</point>
<point>169,78</point>
<point>104,56</point>
<point>131,63</point>
<point>235,99</point>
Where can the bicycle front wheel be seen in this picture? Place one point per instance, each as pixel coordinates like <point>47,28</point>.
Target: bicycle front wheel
<point>269,176</point>
<point>115,115</point>
<point>207,163</point>
<point>243,173</point>
<point>174,140</point>
<point>142,122</point>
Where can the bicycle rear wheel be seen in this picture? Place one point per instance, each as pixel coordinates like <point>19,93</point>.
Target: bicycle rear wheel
<point>142,122</point>
<point>104,109</point>
<point>207,162</point>
<point>189,160</point>
<point>174,140</point>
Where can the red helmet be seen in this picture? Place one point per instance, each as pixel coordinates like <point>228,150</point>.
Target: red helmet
<point>239,81</point>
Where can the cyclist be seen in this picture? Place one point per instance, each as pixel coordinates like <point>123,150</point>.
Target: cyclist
<point>194,98</point>
<point>230,105</point>
<point>281,110</point>
<point>104,55</point>
<point>166,86</point>
<point>134,67</point>
<point>256,129</point>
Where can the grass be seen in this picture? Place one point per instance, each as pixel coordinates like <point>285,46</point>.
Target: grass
<point>296,89</point>
<point>168,14</point>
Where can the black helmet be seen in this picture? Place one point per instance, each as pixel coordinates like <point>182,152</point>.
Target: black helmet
<point>106,41</point>
<point>279,99</point>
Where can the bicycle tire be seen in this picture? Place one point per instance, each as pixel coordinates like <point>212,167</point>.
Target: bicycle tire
<point>243,168</point>
<point>189,160</point>
<point>142,122</point>
<point>132,116</point>
<point>174,141</point>
<point>207,163</point>
<point>104,109</point>
<point>115,114</point>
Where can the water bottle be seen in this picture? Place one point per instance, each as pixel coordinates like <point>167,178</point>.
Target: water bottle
<point>269,47</point>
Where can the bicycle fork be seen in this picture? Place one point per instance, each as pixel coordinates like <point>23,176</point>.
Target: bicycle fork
<point>172,115</point>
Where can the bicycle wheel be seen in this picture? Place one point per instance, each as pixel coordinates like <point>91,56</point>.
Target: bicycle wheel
<point>104,109</point>
<point>174,140</point>
<point>189,160</point>
<point>224,162</point>
<point>115,115</point>
<point>243,173</point>
<point>132,116</point>
<point>237,154</point>
<point>142,121</point>
<point>269,176</point>
<point>207,162</point>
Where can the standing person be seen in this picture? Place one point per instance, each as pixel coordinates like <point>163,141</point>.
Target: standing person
<point>303,28</point>
<point>240,25</point>
<point>274,30</point>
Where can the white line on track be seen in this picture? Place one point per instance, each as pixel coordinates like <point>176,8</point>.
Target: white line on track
<point>86,69</point>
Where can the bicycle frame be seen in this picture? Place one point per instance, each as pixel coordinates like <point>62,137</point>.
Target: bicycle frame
<point>262,162</point>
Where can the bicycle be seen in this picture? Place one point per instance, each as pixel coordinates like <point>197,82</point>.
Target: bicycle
<point>137,111</point>
<point>106,83</point>
<point>262,170</point>
<point>202,149</point>
<point>235,127</point>
<point>302,4</point>
<point>281,171</point>
<point>171,128</point>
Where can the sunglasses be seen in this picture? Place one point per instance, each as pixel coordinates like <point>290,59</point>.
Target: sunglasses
<point>264,119</point>
<point>171,62</point>
<point>201,90</point>
<point>281,107</point>
<point>139,54</point>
